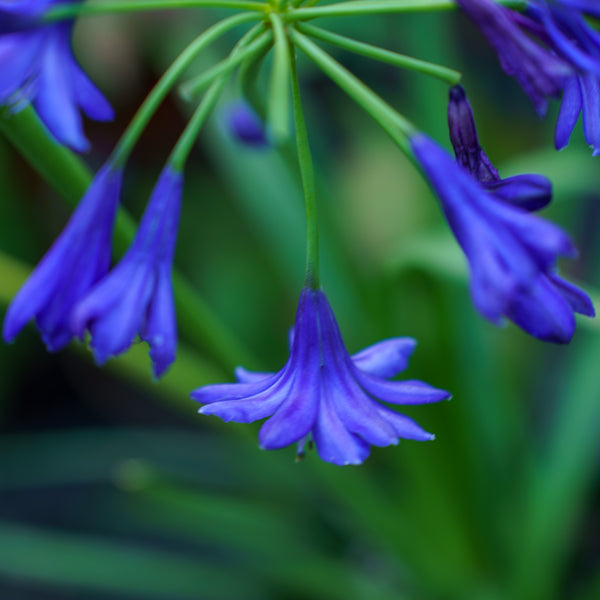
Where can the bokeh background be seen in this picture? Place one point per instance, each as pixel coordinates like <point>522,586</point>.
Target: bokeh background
<point>113,488</point>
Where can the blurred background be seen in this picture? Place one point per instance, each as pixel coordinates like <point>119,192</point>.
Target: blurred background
<point>113,488</point>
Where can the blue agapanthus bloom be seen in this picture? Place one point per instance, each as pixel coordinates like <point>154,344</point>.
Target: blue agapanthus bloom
<point>512,254</point>
<point>79,257</point>
<point>136,297</point>
<point>529,191</point>
<point>541,73</point>
<point>245,125</point>
<point>324,395</point>
<point>567,32</point>
<point>37,66</point>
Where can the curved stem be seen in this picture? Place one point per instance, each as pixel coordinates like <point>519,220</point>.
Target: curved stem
<point>378,7</point>
<point>308,182</point>
<point>61,12</point>
<point>167,81</point>
<point>278,112</point>
<point>391,121</point>
<point>449,76</point>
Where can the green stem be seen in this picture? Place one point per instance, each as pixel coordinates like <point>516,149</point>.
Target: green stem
<point>393,123</point>
<point>278,111</point>
<point>308,182</point>
<point>393,58</point>
<point>69,11</point>
<point>192,88</point>
<point>167,81</point>
<point>376,7</point>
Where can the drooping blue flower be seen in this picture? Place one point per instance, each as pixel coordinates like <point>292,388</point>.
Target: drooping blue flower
<point>79,257</point>
<point>512,254</point>
<point>567,32</point>
<point>245,125</point>
<point>136,297</point>
<point>530,191</point>
<point>37,66</point>
<point>540,73</point>
<point>324,395</point>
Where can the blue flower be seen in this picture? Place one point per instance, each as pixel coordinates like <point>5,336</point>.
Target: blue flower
<point>530,191</point>
<point>245,125</point>
<point>136,297</point>
<point>324,395</point>
<point>37,66</point>
<point>540,73</point>
<point>79,257</point>
<point>571,37</point>
<point>512,254</point>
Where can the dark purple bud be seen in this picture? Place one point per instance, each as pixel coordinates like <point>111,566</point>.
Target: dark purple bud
<point>463,136</point>
<point>245,125</point>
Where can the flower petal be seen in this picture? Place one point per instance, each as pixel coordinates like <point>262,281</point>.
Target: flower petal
<point>386,358</point>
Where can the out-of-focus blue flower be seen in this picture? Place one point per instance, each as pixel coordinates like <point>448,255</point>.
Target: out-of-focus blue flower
<point>567,32</point>
<point>245,125</point>
<point>324,395</point>
<point>512,254</point>
<point>16,16</point>
<point>540,73</point>
<point>76,261</point>
<point>37,66</point>
<point>136,297</point>
<point>529,191</point>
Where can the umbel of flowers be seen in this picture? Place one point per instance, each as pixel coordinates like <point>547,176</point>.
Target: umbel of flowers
<point>322,396</point>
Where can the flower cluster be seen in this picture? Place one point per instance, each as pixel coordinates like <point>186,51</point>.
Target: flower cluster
<point>322,395</point>
<point>72,291</point>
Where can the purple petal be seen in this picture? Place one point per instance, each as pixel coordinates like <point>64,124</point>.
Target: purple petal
<point>401,392</point>
<point>570,109</point>
<point>528,192</point>
<point>386,358</point>
<point>579,301</point>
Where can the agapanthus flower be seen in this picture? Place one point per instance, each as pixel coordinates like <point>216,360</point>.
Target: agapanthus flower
<point>136,297</point>
<point>512,254</point>
<point>567,32</point>
<point>37,66</point>
<point>541,73</point>
<point>245,125</point>
<point>79,257</point>
<point>324,395</point>
<point>529,191</point>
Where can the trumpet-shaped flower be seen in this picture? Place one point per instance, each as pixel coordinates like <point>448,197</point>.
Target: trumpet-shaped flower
<point>37,66</point>
<point>512,254</point>
<point>136,297</point>
<point>540,73</point>
<point>324,395</point>
<point>79,257</point>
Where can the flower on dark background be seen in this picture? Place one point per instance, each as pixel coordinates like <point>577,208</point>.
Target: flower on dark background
<point>37,66</point>
<point>136,297</point>
<point>566,31</point>
<point>540,73</point>
<point>79,257</point>
<point>512,254</point>
<point>245,125</point>
<point>324,395</point>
